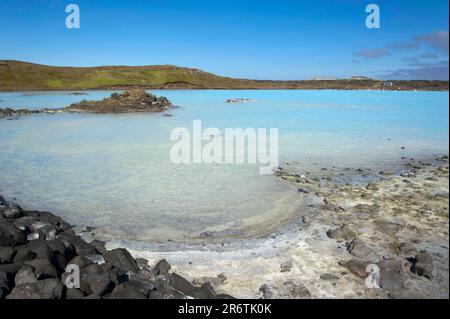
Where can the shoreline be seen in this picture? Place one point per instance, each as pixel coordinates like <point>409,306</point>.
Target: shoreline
<point>325,252</point>
<point>124,88</point>
<point>287,262</point>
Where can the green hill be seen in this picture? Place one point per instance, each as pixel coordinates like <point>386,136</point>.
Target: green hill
<point>16,75</point>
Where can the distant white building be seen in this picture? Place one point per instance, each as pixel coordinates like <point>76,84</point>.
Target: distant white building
<point>388,84</point>
<point>323,78</point>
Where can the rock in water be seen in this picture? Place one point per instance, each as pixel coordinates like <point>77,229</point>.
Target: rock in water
<point>423,265</point>
<point>130,101</point>
<point>359,249</point>
<point>343,232</point>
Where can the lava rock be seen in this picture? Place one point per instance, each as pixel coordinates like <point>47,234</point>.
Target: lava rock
<point>286,266</point>
<point>99,283</point>
<point>266,291</point>
<point>25,275</point>
<point>422,265</point>
<point>206,291</point>
<point>97,259</point>
<point>122,260</point>
<point>359,249</point>
<point>161,268</point>
<point>11,211</point>
<point>43,289</point>
<point>329,277</point>
<point>43,268</point>
<point>127,291</point>
<point>99,245</point>
<point>356,267</point>
<point>10,235</point>
<point>4,284</point>
<point>6,254</point>
<point>343,232</point>
<point>73,293</point>
<point>407,249</point>
<point>82,248</point>
<point>180,284</point>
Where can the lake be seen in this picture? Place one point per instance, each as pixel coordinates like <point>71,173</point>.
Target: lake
<point>114,171</point>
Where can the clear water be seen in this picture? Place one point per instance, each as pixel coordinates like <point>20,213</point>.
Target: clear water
<point>114,171</point>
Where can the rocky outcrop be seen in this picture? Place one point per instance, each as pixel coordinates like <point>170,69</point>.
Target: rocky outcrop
<point>11,113</point>
<point>130,101</point>
<point>238,100</point>
<point>36,249</point>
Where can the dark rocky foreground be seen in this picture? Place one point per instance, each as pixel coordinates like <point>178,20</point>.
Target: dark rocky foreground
<point>130,101</point>
<point>37,247</point>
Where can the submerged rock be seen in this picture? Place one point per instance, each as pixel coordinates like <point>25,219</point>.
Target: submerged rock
<point>422,265</point>
<point>343,232</point>
<point>359,249</point>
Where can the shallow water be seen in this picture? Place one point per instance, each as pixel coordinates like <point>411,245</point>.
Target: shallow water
<point>114,171</point>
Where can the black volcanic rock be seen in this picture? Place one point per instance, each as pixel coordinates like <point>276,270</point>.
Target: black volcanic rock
<point>34,267</point>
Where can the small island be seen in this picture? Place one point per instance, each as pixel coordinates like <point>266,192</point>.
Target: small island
<point>131,101</point>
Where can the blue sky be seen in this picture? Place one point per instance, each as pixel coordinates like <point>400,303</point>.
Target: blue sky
<point>250,39</point>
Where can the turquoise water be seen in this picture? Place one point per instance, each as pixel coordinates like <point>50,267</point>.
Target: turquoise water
<point>114,171</point>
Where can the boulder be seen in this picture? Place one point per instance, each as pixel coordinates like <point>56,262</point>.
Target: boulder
<point>297,290</point>
<point>6,254</point>
<point>391,279</point>
<point>206,291</point>
<point>407,249</point>
<point>286,266</point>
<point>99,245</point>
<point>4,284</point>
<point>11,211</point>
<point>99,284</point>
<point>97,259</point>
<point>36,249</point>
<point>161,268</point>
<point>356,267</point>
<point>166,293</point>
<point>25,275</point>
<point>359,249</point>
<point>180,284</point>
<point>343,232</point>
<point>10,235</point>
<point>43,289</point>
<point>74,293</point>
<point>422,265</point>
<point>329,277</point>
<point>127,291</point>
<point>266,291</point>
<point>10,269</point>
<point>55,221</point>
<point>122,260</point>
<point>42,268</point>
<point>82,248</point>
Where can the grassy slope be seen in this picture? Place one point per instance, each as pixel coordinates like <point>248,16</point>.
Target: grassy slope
<point>16,75</point>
